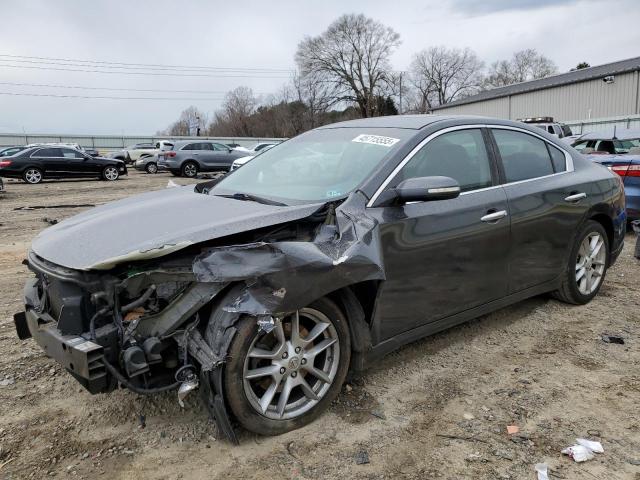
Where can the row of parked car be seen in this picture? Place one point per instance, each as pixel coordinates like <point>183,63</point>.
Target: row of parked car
<point>32,163</point>
<point>186,157</point>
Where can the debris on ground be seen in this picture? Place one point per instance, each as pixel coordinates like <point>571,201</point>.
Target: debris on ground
<point>513,429</point>
<point>40,207</point>
<point>362,457</point>
<point>584,450</point>
<point>50,221</point>
<point>543,471</point>
<point>613,339</point>
<point>172,184</point>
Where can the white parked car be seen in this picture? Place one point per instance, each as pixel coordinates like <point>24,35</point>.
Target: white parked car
<point>238,162</point>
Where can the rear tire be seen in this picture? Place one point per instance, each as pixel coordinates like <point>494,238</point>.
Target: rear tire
<point>189,169</point>
<point>151,168</point>
<point>110,173</point>
<point>299,407</point>
<point>587,265</point>
<point>32,175</point>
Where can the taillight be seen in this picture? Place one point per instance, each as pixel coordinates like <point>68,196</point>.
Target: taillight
<point>5,163</point>
<point>170,154</point>
<point>627,170</point>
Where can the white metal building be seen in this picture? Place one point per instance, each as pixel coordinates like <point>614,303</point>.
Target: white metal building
<point>589,99</point>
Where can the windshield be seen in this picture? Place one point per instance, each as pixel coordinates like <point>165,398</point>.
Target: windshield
<point>317,166</point>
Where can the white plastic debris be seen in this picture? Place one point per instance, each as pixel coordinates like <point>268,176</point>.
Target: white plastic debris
<point>543,471</point>
<point>172,184</point>
<point>584,450</point>
<point>591,445</point>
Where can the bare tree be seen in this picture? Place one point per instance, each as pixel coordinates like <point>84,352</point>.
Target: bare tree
<point>234,117</point>
<point>191,120</point>
<point>525,65</point>
<point>441,75</point>
<point>351,56</point>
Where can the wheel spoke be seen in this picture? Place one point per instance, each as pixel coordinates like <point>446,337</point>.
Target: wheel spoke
<point>270,370</point>
<point>295,328</point>
<point>597,248</point>
<point>262,353</point>
<point>315,332</point>
<point>580,273</point>
<point>322,346</point>
<point>307,390</point>
<point>267,398</point>
<point>319,374</point>
<point>284,396</point>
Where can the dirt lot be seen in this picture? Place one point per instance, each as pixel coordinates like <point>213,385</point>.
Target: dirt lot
<point>437,409</point>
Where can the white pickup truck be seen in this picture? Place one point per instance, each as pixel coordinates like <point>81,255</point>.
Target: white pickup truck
<point>547,124</point>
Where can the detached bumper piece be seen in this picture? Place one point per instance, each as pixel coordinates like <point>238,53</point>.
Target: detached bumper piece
<point>79,356</point>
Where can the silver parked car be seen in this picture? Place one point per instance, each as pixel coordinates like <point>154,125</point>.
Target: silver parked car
<point>189,157</point>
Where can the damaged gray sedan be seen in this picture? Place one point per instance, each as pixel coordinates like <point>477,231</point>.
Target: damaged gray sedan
<point>265,288</point>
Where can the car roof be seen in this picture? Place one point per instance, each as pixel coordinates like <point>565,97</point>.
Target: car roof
<point>184,142</point>
<point>620,134</point>
<point>415,122</point>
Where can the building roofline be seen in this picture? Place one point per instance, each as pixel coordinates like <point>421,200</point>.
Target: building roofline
<point>560,79</point>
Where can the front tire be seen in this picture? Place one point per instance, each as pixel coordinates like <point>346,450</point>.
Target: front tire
<point>110,174</point>
<point>282,380</point>
<point>151,168</point>
<point>587,265</point>
<point>32,175</point>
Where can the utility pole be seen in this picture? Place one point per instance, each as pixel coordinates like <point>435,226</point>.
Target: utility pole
<point>400,102</point>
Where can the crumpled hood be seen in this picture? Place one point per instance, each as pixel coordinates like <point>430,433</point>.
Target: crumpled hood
<point>152,225</point>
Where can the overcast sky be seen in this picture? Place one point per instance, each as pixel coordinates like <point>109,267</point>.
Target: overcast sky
<point>254,34</point>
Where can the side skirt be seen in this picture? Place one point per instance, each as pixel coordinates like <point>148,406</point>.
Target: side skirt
<point>393,343</point>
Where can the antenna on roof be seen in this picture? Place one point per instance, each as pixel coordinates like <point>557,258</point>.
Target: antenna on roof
<point>614,132</point>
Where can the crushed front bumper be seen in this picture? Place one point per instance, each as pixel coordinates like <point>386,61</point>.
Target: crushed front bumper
<point>81,357</point>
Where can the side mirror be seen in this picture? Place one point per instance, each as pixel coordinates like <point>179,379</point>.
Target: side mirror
<point>421,189</point>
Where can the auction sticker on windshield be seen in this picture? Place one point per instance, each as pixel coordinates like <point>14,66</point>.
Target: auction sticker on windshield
<point>376,140</point>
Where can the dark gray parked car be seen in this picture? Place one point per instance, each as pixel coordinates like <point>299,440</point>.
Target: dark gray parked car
<point>319,256</point>
<point>189,157</point>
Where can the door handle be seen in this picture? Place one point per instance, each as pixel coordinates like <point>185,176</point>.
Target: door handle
<point>575,197</point>
<point>494,216</point>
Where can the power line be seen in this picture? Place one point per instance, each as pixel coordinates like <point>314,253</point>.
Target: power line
<point>105,64</point>
<point>108,97</point>
<point>79,87</point>
<point>151,74</point>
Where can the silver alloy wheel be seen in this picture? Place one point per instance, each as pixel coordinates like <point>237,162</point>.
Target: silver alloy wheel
<point>590,263</point>
<point>190,170</point>
<point>152,168</point>
<point>111,173</point>
<point>290,369</point>
<point>33,175</point>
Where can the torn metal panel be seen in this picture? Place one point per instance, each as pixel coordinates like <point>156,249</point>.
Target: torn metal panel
<point>285,276</point>
<point>155,224</point>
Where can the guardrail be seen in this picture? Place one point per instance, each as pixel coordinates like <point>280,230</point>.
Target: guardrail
<point>116,142</point>
<point>579,127</point>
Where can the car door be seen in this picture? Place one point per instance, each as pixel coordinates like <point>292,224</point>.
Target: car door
<point>51,160</point>
<point>443,257</point>
<point>77,164</point>
<point>547,202</point>
<point>207,156</point>
<point>224,156</point>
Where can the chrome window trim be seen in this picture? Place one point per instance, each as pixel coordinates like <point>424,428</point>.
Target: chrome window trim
<point>568,159</point>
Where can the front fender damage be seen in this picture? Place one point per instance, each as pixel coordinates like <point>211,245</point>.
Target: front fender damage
<point>281,277</point>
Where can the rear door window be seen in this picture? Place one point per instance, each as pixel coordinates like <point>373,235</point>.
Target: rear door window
<point>523,156</point>
<point>70,153</point>
<point>48,153</point>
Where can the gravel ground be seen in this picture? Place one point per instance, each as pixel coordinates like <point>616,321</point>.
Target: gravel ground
<point>437,409</point>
